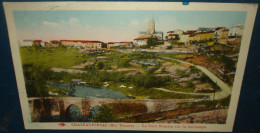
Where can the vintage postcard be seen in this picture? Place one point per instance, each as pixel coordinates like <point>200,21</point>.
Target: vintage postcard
<point>157,66</point>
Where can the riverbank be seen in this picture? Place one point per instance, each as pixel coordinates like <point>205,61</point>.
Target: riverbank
<point>84,91</point>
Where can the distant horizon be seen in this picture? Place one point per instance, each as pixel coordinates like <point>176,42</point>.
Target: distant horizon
<point>114,26</point>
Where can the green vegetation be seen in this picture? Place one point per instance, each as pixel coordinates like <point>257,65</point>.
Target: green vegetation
<point>177,37</point>
<point>170,47</point>
<point>193,69</point>
<point>106,114</point>
<point>36,46</point>
<point>38,62</point>
<point>205,41</point>
<point>177,43</point>
<point>166,38</point>
<point>182,73</point>
<point>190,84</point>
<point>205,79</point>
<point>152,42</point>
<point>167,55</point>
<point>123,115</point>
<point>35,77</point>
<point>157,94</point>
<point>52,57</point>
<point>220,55</point>
<point>118,60</point>
<point>61,92</point>
<point>228,63</point>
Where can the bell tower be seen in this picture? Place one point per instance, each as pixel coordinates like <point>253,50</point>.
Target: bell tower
<point>151,26</point>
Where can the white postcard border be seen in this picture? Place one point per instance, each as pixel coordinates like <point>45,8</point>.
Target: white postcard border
<point>251,9</point>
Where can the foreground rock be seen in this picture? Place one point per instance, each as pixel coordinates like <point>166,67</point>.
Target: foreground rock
<point>214,116</point>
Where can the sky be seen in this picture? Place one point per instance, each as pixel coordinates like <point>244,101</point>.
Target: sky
<point>114,25</point>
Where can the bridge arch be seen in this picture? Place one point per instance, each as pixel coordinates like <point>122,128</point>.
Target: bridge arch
<point>73,113</point>
<point>93,112</point>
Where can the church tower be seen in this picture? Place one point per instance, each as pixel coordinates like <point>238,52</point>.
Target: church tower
<point>151,26</point>
<point>145,35</point>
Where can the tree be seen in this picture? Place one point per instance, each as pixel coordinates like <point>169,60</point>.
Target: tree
<point>100,65</point>
<point>193,69</point>
<point>35,46</point>
<point>106,114</point>
<point>166,38</point>
<point>36,79</point>
<point>104,45</point>
<point>169,47</point>
<point>190,84</point>
<point>60,45</point>
<point>164,70</point>
<point>180,72</point>
<point>154,41</point>
<point>177,37</point>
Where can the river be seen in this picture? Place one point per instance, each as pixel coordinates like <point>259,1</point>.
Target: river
<point>88,91</point>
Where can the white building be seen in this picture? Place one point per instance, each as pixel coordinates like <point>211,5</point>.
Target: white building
<point>25,43</point>
<point>89,45</point>
<point>174,34</point>
<point>204,29</point>
<point>236,31</point>
<point>43,43</point>
<point>111,45</point>
<point>178,32</point>
<point>140,41</point>
<point>184,38</point>
<point>117,44</point>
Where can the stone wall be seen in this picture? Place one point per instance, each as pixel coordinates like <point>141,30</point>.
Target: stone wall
<point>43,108</point>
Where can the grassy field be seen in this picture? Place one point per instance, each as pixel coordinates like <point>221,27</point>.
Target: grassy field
<point>52,57</point>
<point>37,63</point>
<point>61,92</point>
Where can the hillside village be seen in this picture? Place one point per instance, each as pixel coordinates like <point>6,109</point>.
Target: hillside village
<point>179,38</point>
<point>204,46</point>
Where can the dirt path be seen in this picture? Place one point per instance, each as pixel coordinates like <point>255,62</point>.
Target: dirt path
<point>209,95</point>
<point>129,69</point>
<point>225,89</point>
<point>82,65</point>
<point>67,70</point>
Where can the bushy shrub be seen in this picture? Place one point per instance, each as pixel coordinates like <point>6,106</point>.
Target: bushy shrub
<point>106,114</point>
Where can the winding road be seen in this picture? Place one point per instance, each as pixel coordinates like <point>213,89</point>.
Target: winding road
<point>225,89</point>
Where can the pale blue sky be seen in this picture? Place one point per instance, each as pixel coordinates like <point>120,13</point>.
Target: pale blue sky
<point>114,25</point>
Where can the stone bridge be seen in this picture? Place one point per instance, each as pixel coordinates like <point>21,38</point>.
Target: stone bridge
<point>57,106</point>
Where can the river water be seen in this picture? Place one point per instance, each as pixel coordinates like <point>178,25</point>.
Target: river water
<point>88,91</point>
